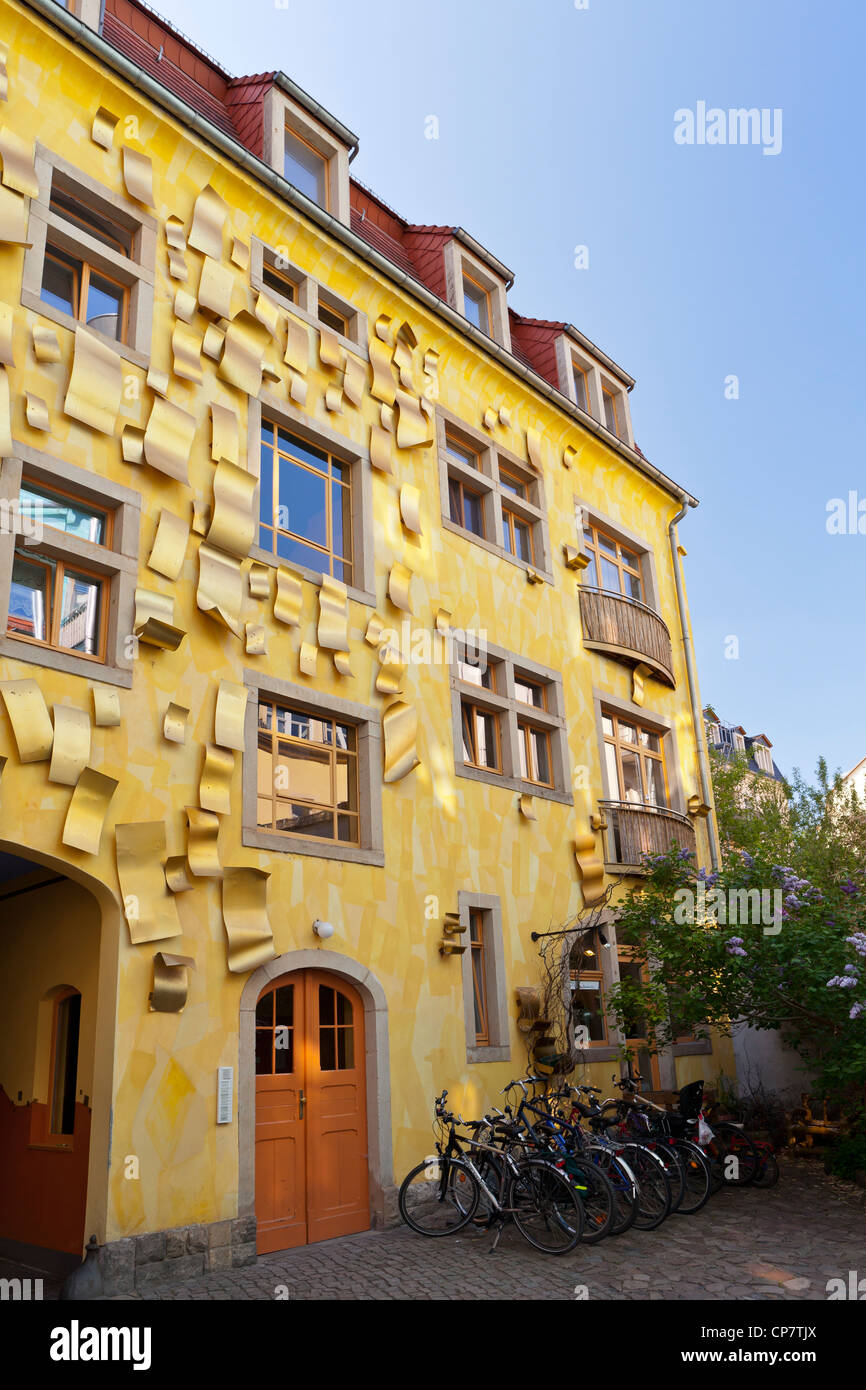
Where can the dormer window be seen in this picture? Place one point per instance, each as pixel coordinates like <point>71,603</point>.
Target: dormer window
<point>476,304</point>
<point>308,147</point>
<point>477,287</point>
<point>763,758</point>
<point>580,377</point>
<point>612,412</point>
<point>306,168</point>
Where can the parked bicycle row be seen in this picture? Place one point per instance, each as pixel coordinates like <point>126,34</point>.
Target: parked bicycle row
<point>566,1166</point>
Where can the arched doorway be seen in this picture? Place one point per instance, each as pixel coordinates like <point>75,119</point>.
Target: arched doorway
<point>323,1168</point>
<point>311,1112</point>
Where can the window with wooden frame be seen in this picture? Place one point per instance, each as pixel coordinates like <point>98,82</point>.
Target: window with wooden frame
<point>57,604</point>
<point>614,566</point>
<point>305,168</point>
<point>613,411</point>
<point>307,774</point>
<point>481,737</point>
<point>456,448</point>
<point>588,1010</point>
<point>581,385</point>
<point>517,534</point>
<point>333,319</point>
<point>71,281</point>
<point>305,503</point>
<point>479,975</point>
<point>63,1078</point>
<point>280,283</point>
<point>533,747</point>
<point>634,761</point>
<point>476,304</point>
<point>466,506</point>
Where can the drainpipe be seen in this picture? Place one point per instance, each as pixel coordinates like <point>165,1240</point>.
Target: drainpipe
<point>697,718</point>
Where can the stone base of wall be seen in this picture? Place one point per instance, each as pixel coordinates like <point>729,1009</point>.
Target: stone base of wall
<point>139,1262</point>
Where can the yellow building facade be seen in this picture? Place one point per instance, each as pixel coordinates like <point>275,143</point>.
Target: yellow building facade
<point>342,649</point>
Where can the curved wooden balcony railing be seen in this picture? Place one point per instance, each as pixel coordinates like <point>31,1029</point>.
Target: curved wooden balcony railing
<point>634,829</point>
<point>626,629</point>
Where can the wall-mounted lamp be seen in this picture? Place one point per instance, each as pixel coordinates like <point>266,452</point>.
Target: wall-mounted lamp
<point>603,940</point>
<point>323,929</point>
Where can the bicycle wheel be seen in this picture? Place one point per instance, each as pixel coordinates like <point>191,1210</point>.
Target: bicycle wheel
<point>597,1196</point>
<point>697,1177</point>
<point>737,1155</point>
<point>654,1190</point>
<point>768,1170</point>
<point>546,1209</point>
<point>624,1184</point>
<point>674,1169</point>
<point>438,1197</point>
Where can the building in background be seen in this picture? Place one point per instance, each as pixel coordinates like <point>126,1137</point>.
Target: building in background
<point>344,645</point>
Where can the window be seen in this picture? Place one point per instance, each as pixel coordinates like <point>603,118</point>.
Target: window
<point>634,762</point>
<point>463,453</point>
<point>466,506</point>
<point>613,412</point>
<point>280,283</point>
<point>307,775</point>
<point>275,1032</point>
<point>581,386</point>
<point>764,758</point>
<point>613,566</point>
<point>305,504</point>
<point>314,303</point>
<point>331,318</point>
<point>479,976</point>
<point>508,723</point>
<point>305,168</point>
<point>476,304</point>
<point>57,604</point>
<point>64,1063</point>
<point>588,1015</point>
<point>518,536</point>
<point>336,1030</point>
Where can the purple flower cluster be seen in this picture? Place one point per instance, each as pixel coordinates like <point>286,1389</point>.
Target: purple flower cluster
<point>734,946</point>
<point>850,977</point>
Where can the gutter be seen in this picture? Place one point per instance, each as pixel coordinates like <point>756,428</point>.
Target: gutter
<point>619,372</point>
<point>315,108</point>
<point>697,718</point>
<point>460,234</point>
<point>59,18</point>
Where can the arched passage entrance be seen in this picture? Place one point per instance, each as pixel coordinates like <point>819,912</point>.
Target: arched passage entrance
<point>313,1099</point>
<point>58,966</point>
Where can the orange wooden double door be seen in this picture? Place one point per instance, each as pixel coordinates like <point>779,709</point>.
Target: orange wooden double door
<point>311,1112</point>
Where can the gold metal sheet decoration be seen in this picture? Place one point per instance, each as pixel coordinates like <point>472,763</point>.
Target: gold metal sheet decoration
<point>404,364</point>
<point>215,787</point>
<point>46,347</point>
<point>106,707</point>
<point>259,580</point>
<point>208,219</point>
<point>70,752</point>
<point>268,313</point>
<point>169,545</point>
<point>36,411</point>
<point>87,810</point>
<point>380,449</point>
<point>241,361</point>
<point>399,586</point>
<point>138,176</point>
<point>157,381</point>
<point>240,253</point>
<point>245,915</point>
<point>298,389</point>
<point>590,868</point>
<point>638,676</point>
<point>214,340</point>
<point>177,874</point>
<point>184,305</point>
<point>297,353</point>
<point>383,387</point>
<point>155,633</point>
<point>575,559</point>
<point>406,334</point>
<point>534,449</point>
<point>270,373</point>
<point>533,577</point>
<point>5,414</point>
<point>569,456</point>
<point>154,620</point>
<point>148,906</point>
<point>443,621</point>
<point>215,289</point>
<point>13,218</point>
<point>343,663</point>
<point>330,351</point>
<point>4,76</point>
<point>132,444</point>
<point>256,639</point>
<point>7,322</point>
<point>170,982</point>
<point>174,723</point>
<point>384,327</point>
<point>168,439</point>
<point>203,843</point>
<point>392,671</point>
<point>233,525</point>
<point>334,399</point>
<point>102,130</point>
<point>354,380</point>
<point>388,418</point>
<point>200,517</point>
<point>177,265</point>
<point>230,715</point>
<point>31,722</point>
<point>95,383</point>
<point>400,730</point>
<point>175,234</point>
<point>375,627</point>
<point>225,433</point>
<point>413,427</point>
<point>19,167</point>
<point>410,508</point>
<point>220,587</point>
<point>491,419</point>
<point>186,352</point>
<point>505,416</point>
<point>290,596</point>
<point>308,657</point>
<point>332,632</point>
<point>526,802</point>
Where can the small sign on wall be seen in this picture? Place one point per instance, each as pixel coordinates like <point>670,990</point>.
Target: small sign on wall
<point>225,1093</point>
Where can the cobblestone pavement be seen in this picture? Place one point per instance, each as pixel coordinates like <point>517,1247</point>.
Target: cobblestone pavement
<point>784,1243</point>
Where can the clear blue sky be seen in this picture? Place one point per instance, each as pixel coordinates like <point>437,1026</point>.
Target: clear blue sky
<point>556,129</point>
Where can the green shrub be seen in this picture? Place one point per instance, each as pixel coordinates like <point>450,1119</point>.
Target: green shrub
<point>847,1157</point>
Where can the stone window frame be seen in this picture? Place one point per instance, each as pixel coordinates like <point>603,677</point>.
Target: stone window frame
<point>664,725</point>
<point>281,112</point>
<point>608,1051</point>
<point>503,703</point>
<point>367,720</point>
<point>323,437</point>
<point>592,514</point>
<point>137,273</point>
<point>609,383</point>
<point>118,563</point>
<point>459,259</point>
<point>498,1049</point>
<point>309,292</point>
<point>486,480</point>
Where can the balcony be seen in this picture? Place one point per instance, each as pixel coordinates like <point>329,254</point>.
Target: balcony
<point>634,829</point>
<point>627,630</point>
